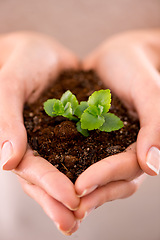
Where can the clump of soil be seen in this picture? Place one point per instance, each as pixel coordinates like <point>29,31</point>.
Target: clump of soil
<point>57,140</point>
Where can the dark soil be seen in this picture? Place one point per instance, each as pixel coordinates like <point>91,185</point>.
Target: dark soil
<point>57,139</point>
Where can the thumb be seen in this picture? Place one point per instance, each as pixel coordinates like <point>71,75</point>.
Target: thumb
<point>13,137</point>
<point>148,141</point>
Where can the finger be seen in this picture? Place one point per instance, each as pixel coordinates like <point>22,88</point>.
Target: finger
<point>109,192</point>
<point>123,166</point>
<point>148,141</point>
<point>63,218</point>
<point>148,148</point>
<point>13,137</point>
<point>40,172</point>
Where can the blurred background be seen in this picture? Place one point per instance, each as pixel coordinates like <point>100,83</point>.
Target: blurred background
<point>81,26</point>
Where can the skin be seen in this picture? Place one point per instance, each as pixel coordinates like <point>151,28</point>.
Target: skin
<point>131,57</point>
<point>29,62</point>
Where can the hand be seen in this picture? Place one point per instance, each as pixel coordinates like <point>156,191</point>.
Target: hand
<point>128,65</point>
<point>29,62</point>
<point>115,177</point>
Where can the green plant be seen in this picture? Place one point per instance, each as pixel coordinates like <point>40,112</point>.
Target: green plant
<point>89,115</point>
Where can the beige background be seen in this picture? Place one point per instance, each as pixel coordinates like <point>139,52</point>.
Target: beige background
<point>81,26</point>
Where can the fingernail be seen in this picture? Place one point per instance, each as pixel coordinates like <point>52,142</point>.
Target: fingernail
<point>88,190</point>
<point>72,209</point>
<point>74,228</point>
<point>59,228</point>
<point>69,232</point>
<point>87,213</point>
<point>153,159</point>
<point>6,153</point>
<point>57,225</point>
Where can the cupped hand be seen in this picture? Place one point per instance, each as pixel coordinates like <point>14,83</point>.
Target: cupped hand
<point>29,62</point>
<point>54,192</point>
<point>128,64</point>
<point>115,177</point>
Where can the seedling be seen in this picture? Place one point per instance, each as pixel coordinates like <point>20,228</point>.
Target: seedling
<point>88,115</point>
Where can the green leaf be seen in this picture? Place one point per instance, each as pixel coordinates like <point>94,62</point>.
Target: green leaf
<point>58,108</point>
<point>80,108</point>
<point>112,123</point>
<point>68,112</point>
<point>102,98</point>
<point>100,109</point>
<point>88,115</point>
<point>84,132</point>
<point>91,122</point>
<point>48,107</point>
<point>71,98</point>
<point>94,110</point>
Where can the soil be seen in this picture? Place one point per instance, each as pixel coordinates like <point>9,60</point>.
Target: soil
<point>57,140</point>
